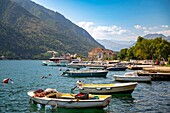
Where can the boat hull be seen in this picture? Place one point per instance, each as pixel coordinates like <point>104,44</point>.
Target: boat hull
<point>117,68</point>
<point>119,88</point>
<point>132,78</point>
<point>75,66</point>
<point>72,103</point>
<point>87,74</point>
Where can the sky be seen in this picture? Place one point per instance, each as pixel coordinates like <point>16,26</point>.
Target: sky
<point>122,20</point>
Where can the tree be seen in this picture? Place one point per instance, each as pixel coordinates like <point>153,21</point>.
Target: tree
<point>123,54</point>
<point>157,48</point>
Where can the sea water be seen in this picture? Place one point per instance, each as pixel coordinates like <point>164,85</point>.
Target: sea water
<point>28,75</point>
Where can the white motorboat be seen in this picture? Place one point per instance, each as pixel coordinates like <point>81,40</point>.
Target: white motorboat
<point>132,77</point>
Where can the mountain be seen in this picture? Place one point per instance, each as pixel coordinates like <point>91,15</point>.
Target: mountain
<point>29,30</point>
<point>152,36</point>
<point>115,45</point>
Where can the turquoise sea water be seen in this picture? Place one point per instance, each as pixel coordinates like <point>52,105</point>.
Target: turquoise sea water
<point>152,98</point>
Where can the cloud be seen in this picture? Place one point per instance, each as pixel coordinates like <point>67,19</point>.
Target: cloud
<point>164,32</point>
<point>85,24</point>
<point>102,32</point>
<point>114,32</point>
<point>139,27</point>
<point>164,26</point>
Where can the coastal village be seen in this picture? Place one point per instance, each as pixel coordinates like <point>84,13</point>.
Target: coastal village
<point>107,59</point>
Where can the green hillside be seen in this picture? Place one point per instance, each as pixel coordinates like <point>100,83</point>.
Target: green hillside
<point>31,30</point>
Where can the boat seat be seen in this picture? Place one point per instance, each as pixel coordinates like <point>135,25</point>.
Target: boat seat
<point>54,95</point>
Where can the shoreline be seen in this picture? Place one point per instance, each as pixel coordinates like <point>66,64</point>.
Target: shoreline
<point>158,69</point>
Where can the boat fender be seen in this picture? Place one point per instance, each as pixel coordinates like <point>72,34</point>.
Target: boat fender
<point>99,88</point>
<point>108,88</point>
<point>6,80</point>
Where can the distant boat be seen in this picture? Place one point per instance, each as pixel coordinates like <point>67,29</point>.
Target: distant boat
<point>56,61</point>
<point>138,67</point>
<point>86,73</point>
<point>155,76</point>
<point>117,67</point>
<point>66,100</point>
<point>135,68</point>
<point>63,63</point>
<point>132,77</point>
<point>96,67</point>
<point>49,63</point>
<point>3,58</point>
<point>76,65</point>
<point>117,88</point>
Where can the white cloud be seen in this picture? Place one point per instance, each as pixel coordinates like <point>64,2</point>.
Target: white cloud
<point>102,32</point>
<point>164,26</point>
<point>165,32</point>
<point>85,24</point>
<point>138,27</point>
<point>146,31</point>
<point>114,32</point>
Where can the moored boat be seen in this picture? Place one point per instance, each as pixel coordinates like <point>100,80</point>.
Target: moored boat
<point>155,76</point>
<point>49,63</point>
<point>75,64</point>
<point>86,73</point>
<point>117,67</point>
<point>66,100</point>
<point>116,88</point>
<point>132,77</point>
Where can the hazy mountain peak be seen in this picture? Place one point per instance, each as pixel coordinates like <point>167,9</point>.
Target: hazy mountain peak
<point>115,45</point>
<point>156,35</point>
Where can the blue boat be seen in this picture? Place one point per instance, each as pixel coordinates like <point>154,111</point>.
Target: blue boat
<point>116,68</point>
<point>86,73</point>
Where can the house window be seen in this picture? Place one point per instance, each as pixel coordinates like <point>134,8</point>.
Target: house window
<point>100,55</point>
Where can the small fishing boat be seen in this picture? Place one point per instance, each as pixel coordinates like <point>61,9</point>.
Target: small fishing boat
<point>97,67</point>
<point>117,88</point>
<point>76,65</point>
<point>86,73</point>
<point>49,63</point>
<point>66,100</point>
<point>155,76</point>
<point>117,67</point>
<point>132,77</point>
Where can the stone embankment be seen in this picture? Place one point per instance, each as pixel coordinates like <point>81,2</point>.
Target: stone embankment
<point>158,69</point>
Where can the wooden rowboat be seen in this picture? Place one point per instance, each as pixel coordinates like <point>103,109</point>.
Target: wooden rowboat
<point>65,100</point>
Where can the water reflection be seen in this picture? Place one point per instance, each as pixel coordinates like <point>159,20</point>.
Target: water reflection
<point>47,109</point>
<point>122,98</point>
